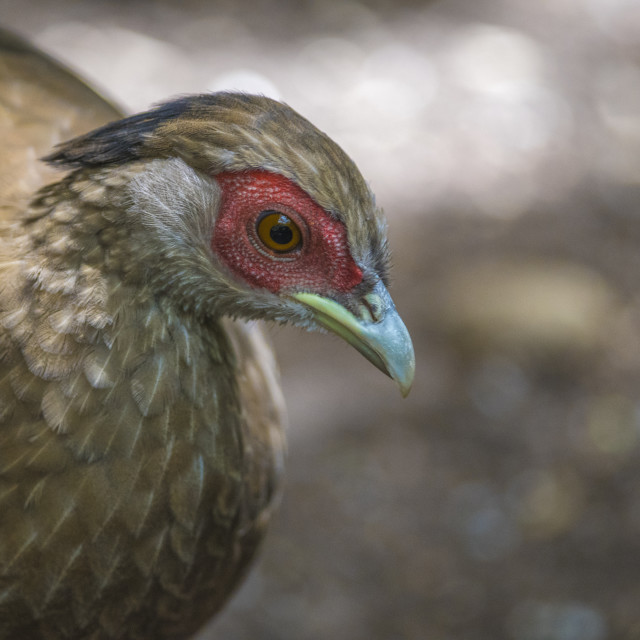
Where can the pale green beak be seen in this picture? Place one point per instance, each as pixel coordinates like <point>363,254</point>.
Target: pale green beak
<point>378,334</point>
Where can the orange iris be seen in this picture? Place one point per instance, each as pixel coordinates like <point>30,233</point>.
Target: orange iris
<point>278,232</point>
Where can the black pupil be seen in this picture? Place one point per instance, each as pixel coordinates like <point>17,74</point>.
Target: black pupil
<point>281,233</point>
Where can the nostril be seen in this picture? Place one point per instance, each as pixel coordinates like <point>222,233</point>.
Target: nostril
<point>374,306</point>
<point>370,308</point>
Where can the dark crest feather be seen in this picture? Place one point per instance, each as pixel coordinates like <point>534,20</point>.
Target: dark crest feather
<point>123,140</point>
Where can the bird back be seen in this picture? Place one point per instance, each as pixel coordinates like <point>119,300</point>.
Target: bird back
<point>41,104</point>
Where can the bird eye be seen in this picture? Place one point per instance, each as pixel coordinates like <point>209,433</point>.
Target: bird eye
<point>278,232</point>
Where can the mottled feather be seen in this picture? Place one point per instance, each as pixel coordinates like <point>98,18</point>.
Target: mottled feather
<point>120,492</point>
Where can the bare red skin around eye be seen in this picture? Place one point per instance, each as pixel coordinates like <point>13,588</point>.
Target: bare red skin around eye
<point>322,264</point>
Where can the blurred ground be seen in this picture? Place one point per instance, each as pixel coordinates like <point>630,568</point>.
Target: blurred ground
<point>502,499</point>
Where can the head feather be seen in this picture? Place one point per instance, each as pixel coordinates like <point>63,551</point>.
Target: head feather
<point>237,132</point>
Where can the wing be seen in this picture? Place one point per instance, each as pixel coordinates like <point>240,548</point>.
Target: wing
<point>41,103</point>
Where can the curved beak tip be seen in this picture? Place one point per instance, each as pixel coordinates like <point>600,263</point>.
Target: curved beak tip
<point>399,361</point>
<point>405,382</point>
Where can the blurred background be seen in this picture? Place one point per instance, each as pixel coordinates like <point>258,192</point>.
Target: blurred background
<point>502,137</point>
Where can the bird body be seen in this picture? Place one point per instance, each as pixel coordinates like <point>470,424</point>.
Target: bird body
<point>117,478</point>
<point>140,424</point>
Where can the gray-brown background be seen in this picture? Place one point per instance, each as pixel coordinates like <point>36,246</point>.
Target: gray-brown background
<point>502,137</point>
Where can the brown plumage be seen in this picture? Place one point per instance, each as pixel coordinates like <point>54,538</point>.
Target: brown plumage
<point>140,425</point>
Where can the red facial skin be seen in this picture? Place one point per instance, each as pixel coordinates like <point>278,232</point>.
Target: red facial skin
<point>322,263</point>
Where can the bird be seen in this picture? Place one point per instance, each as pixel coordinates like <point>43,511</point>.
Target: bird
<point>141,417</point>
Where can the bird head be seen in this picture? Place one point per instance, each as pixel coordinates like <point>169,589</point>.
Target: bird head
<point>259,214</point>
